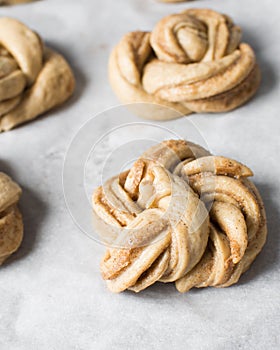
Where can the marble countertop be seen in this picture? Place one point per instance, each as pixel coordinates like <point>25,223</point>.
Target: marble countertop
<point>51,293</point>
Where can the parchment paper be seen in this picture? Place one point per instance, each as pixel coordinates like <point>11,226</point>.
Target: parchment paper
<point>51,293</point>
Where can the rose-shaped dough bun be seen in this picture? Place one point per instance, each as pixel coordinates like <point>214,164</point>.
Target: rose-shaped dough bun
<point>33,78</point>
<point>191,62</point>
<point>11,225</point>
<point>160,230</point>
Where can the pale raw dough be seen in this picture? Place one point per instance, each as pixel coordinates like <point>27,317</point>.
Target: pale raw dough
<point>33,78</point>
<point>179,215</point>
<point>193,61</point>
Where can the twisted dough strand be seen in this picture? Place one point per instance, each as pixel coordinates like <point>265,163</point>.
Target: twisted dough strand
<point>155,219</point>
<point>191,62</point>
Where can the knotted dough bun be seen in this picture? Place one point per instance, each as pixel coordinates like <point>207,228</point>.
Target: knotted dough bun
<point>179,215</point>
<point>33,78</point>
<point>193,61</point>
<point>11,225</point>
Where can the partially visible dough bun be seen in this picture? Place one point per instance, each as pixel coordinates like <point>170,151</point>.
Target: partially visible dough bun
<point>11,225</point>
<point>13,2</point>
<point>33,78</point>
<point>174,0</point>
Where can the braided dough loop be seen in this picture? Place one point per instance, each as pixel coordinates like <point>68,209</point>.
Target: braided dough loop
<point>160,206</point>
<point>192,62</point>
<point>33,78</point>
<point>11,225</point>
